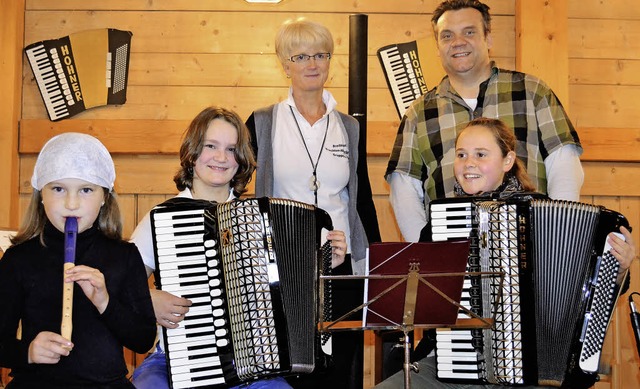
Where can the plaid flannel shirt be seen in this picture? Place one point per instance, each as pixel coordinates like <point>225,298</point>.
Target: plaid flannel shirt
<point>425,144</point>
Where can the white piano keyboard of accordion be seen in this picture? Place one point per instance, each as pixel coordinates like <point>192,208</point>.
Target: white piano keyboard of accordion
<point>450,220</point>
<point>52,81</point>
<point>182,261</point>
<point>455,355</point>
<point>405,83</point>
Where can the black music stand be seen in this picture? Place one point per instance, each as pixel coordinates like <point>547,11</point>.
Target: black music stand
<point>412,285</point>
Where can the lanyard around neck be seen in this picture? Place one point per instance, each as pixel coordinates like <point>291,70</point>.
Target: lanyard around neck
<point>314,184</point>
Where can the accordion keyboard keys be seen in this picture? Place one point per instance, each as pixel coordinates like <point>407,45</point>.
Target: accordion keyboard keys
<point>394,66</point>
<point>54,83</point>
<point>183,254</point>
<point>450,220</point>
<point>456,356</point>
<point>405,82</point>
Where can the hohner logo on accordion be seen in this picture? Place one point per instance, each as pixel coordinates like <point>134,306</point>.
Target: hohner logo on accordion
<point>402,69</point>
<point>81,71</point>
<point>251,270</point>
<point>558,294</point>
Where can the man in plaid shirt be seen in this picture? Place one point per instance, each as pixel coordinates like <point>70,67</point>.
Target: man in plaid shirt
<point>421,163</point>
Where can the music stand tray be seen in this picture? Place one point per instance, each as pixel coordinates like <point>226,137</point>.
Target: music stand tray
<point>414,284</point>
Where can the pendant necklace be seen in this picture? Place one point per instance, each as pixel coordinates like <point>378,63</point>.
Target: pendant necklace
<point>314,184</point>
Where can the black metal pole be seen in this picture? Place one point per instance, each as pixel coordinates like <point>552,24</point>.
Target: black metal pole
<point>358,32</point>
<point>358,55</point>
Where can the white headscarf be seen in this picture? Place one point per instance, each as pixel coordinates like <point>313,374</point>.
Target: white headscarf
<point>74,155</point>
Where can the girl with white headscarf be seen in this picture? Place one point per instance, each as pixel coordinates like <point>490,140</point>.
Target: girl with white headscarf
<point>73,178</point>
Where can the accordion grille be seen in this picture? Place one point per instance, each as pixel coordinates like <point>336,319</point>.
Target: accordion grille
<point>259,249</point>
<point>298,264</point>
<point>559,272</point>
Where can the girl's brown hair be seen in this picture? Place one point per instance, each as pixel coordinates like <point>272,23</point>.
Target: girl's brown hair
<point>506,140</point>
<point>193,142</point>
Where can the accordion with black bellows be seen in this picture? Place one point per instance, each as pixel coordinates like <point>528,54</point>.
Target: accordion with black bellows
<point>251,269</point>
<point>82,70</point>
<point>558,294</point>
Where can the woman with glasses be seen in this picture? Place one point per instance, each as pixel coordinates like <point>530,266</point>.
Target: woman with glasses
<point>308,151</point>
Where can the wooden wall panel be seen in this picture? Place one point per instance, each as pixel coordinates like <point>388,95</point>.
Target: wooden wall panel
<point>190,54</point>
<point>147,202</point>
<point>11,32</point>
<point>498,7</point>
<point>217,32</point>
<point>611,179</point>
<point>541,43</point>
<point>132,137</point>
<point>610,144</point>
<point>119,136</point>
<point>595,71</point>
<point>598,9</point>
<point>604,38</point>
<point>605,106</point>
<point>127,205</point>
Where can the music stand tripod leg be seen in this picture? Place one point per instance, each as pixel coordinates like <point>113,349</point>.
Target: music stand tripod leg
<point>407,325</point>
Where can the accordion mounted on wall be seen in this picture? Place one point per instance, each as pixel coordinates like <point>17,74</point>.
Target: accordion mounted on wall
<point>81,71</point>
<point>403,72</point>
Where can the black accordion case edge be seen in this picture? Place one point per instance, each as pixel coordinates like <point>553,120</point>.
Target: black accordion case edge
<point>575,375</point>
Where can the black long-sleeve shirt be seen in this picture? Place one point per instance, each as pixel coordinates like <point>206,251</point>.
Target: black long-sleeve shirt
<point>31,280</point>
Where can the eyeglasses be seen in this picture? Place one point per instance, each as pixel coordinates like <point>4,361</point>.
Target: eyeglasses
<point>304,58</point>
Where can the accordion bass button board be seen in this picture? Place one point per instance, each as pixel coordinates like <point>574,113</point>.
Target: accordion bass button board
<point>81,71</point>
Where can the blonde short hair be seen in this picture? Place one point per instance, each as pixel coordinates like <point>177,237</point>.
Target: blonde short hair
<point>294,34</point>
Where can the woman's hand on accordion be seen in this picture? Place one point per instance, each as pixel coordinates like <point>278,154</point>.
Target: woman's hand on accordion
<point>623,249</point>
<point>338,247</point>
<point>169,309</point>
